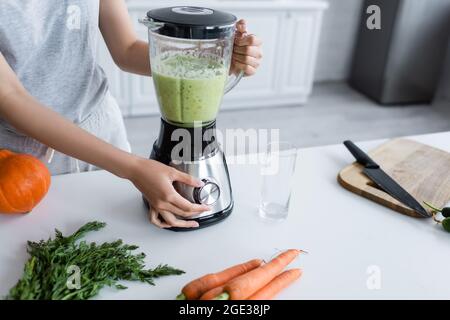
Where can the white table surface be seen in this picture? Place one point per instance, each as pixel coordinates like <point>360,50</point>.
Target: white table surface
<point>344,234</point>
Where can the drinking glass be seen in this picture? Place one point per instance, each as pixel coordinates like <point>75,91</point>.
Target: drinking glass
<point>277,170</point>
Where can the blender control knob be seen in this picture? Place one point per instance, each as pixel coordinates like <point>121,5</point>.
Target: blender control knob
<point>208,194</point>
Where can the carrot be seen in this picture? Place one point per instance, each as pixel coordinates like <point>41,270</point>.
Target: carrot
<point>211,294</point>
<point>247,284</point>
<point>194,289</point>
<point>276,285</point>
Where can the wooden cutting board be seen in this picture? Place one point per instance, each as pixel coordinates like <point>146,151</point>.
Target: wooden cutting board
<point>421,170</point>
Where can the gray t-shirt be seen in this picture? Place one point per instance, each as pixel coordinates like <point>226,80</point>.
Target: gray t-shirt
<point>51,45</point>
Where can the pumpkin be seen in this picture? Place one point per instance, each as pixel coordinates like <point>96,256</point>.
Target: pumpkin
<point>24,181</point>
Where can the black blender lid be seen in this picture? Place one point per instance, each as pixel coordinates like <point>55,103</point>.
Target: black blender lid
<point>192,22</point>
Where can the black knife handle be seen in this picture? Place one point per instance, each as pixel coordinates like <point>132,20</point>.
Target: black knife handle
<point>360,156</point>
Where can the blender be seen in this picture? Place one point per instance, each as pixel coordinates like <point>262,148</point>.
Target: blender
<point>190,57</point>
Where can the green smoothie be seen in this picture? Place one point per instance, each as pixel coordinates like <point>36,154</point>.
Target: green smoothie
<point>189,89</point>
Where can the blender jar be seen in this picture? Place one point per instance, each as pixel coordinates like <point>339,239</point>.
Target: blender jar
<point>190,56</point>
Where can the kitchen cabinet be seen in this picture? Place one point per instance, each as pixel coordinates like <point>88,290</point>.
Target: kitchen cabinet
<point>290,32</point>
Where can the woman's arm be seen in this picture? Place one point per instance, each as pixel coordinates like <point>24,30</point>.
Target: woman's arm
<point>128,52</point>
<point>152,178</point>
<point>30,117</point>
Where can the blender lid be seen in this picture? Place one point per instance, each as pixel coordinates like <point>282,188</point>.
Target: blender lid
<point>192,22</point>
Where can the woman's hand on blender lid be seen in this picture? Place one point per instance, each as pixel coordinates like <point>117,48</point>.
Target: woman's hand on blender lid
<point>155,181</point>
<point>247,52</point>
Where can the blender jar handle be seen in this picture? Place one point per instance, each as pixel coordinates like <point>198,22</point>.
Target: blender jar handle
<point>233,81</point>
<point>150,23</point>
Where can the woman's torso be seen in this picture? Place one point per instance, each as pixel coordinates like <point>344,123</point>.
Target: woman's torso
<point>51,45</point>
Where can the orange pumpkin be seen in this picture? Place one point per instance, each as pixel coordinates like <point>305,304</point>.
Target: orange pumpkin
<point>24,181</point>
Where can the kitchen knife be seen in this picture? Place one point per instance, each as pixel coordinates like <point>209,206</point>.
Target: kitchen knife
<point>383,180</point>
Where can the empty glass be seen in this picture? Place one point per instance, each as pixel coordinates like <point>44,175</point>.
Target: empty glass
<point>277,172</point>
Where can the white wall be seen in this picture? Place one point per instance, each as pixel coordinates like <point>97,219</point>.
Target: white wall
<point>337,40</point>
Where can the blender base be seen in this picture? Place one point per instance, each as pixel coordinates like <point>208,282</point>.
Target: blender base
<point>211,167</point>
<point>202,221</point>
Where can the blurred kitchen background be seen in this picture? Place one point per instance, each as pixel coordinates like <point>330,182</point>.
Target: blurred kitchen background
<point>325,76</point>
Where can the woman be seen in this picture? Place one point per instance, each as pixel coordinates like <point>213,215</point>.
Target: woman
<point>54,98</point>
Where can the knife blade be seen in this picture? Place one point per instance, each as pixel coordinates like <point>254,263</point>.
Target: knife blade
<point>383,180</point>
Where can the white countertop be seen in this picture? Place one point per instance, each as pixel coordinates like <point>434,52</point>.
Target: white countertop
<point>344,234</point>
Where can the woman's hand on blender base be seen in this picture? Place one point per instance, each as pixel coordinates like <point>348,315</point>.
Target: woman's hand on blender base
<point>155,180</point>
<point>247,53</point>
<point>169,220</point>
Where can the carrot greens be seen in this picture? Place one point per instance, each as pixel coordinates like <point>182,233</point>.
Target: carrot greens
<point>65,268</point>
